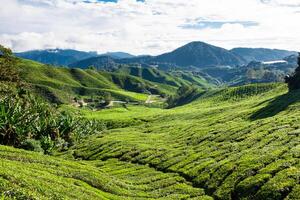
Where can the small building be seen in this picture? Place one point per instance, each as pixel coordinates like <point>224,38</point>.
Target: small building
<point>275,62</point>
<point>82,103</point>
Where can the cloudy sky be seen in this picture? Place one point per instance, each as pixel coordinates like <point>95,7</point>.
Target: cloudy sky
<point>148,26</point>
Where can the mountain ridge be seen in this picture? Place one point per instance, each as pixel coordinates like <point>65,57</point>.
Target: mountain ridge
<point>261,54</point>
<point>194,54</point>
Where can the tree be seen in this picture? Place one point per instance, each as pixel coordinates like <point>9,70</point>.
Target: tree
<point>92,67</point>
<point>8,71</point>
<point>107,98</point>
<point>293,80</point>
<point>184,94</point>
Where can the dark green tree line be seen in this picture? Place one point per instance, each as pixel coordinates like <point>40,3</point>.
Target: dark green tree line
<point>293,80</point>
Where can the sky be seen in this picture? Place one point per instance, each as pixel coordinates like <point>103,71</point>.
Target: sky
<point>148,26</point>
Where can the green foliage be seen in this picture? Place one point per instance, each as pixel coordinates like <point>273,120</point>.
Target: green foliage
<point>231,143</point>
<point>294,80</point>
<point>172,78</point>
<point>47,144</point>
<point>29,175</point>
<point>24,117</point>
<point>8,72</point>
<point>32,145</point>
<point>185,94</point>
<point>61,85</point>
<point>5,51</point>
<point>214,142</point>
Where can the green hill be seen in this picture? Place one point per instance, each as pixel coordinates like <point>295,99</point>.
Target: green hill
<point>235,143</point>
<point>173,78</point>
<point>60,85</point>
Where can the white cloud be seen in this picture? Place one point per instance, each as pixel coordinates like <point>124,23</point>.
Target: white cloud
<point>153,27</point>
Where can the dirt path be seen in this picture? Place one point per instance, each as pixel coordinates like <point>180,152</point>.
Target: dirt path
<point>149,99</point>
<point>111,103</point>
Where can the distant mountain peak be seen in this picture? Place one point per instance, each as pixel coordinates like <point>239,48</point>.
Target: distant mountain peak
<point>196,43</point>
<point>119,55</point>
<point>200,54</point>
<point>56,56</point>
<point>261,54</point>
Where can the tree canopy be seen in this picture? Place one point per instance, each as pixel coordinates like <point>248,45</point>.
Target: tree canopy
<point>7,66</point>
<point>293,80</point>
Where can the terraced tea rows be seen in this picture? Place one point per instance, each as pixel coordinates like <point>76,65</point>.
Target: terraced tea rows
<point>27,175</point>
<point>234,146</point>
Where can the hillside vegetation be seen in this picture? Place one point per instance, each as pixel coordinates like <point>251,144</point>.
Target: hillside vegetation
<point>172,78</point>
<point>60,84</point>
<point>28,175</point>
<point>236,143</point>
<point>225,143</point>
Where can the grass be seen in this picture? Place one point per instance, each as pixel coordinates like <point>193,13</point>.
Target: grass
<point>215,142</point>
<point>118,116</point>
<point>132,95</point>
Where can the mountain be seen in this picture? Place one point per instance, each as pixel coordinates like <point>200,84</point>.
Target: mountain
<point>292,59</point>
<point>261,54</point>
<point>196,54</point>
<point>200,54</point>
<point>56,56</point>
<point>66,56</point>
<point>118,55</point>
<point>98,62</point>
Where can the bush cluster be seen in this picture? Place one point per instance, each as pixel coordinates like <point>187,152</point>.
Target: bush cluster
<point>185,94</point>
<point>7,69</point>
<point>28,122</point>
<point>293,80</point>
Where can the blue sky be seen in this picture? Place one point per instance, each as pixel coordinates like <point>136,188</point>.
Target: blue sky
<point>150,26</point>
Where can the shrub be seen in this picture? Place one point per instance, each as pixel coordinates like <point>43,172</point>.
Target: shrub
<point>47,144</point>
<point>7,70</point>
<point>185,94</point>
<point>32,145</point>
<point>293,81</point>
<point>24,117</point>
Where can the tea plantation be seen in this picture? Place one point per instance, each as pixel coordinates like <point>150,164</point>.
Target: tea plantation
<point>235,143</point>
<point>231,143</point>
<point>28,175</point>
